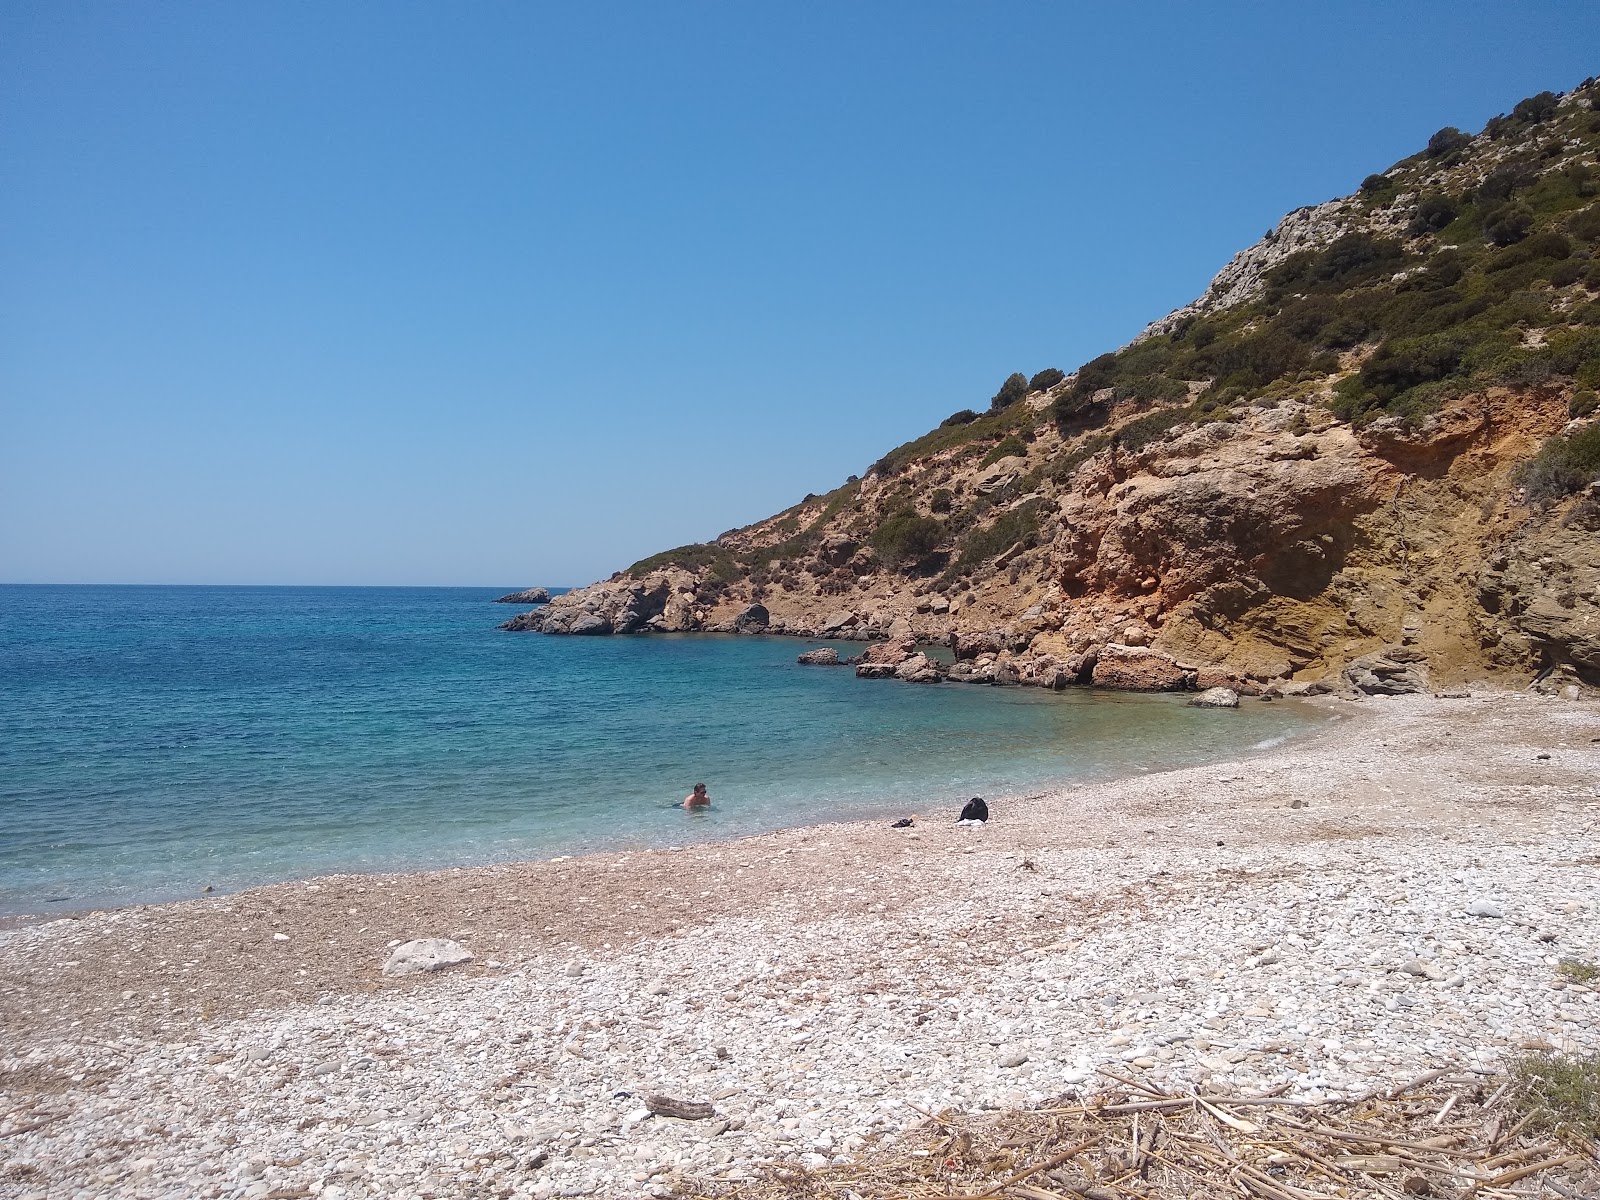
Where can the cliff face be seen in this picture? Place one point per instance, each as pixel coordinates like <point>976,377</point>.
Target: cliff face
<point>1321,460</point>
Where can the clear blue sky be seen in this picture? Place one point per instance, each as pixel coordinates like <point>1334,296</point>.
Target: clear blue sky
<point>512,293</point>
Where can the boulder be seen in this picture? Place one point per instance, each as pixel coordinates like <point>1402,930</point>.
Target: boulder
<point>919,668</point>
<point>1217,697</point>
<point>889,653</point>
<point>678,614</point>
<point>589,624</point>
<point>999,474</point>
<point>823,656</point>
<point>1395,671</point>
<point>900,630</point>
<point>425,954</point>
<point>868,670</point>
<point>531,596</point>
<point>980,671</point>
<point>752,618</point>
<point>836,621</point>
<point>1138,669</point>
<point>528,622</point>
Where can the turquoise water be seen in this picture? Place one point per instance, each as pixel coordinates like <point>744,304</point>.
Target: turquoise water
<point>154,740</point>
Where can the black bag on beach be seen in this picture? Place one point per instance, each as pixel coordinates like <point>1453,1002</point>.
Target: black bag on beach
<point>976,810</point>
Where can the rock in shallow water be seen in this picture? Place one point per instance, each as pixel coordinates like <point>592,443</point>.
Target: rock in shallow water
<point>1217,697</point>
<point>425,954</point>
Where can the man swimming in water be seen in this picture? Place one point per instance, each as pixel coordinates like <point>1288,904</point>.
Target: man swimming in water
<point>697,798</point>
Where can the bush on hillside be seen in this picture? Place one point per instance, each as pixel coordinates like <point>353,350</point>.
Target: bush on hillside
<point>1005,448</point>
<point>1013,389</point>
<point>941,500</point>
<point>1447,141</point>
<point>1045,379</point>
<point>1536,108</point>
<point>1433,214</point>
<point>1507,225</point>
<point>1372,185</point>
<point>905,538</point>
<point>965,417</point>
<point>1563,465</point>
<point>1504,182</point>
<point>1585,224</point>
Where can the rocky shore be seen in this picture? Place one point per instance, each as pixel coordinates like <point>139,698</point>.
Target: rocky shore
<point>1394,893</point>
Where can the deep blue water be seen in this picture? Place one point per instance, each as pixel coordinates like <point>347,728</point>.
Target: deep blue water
<point>157,739</point>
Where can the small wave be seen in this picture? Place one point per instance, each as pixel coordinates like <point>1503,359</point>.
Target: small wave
<point>1270,742</point>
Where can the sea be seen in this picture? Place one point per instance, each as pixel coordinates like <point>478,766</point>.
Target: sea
<point>157,741</point>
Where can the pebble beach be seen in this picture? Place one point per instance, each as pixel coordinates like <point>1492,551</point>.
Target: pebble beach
<point>1406,888</point>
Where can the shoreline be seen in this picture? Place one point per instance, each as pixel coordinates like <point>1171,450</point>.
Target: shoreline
<point>819,985</point>
<point>620,845</point>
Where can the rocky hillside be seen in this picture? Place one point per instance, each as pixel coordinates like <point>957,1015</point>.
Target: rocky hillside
<point>1367,455</point>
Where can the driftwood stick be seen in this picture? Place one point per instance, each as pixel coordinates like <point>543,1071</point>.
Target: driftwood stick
<point>684,1110</point>
<point>1048,1164</point>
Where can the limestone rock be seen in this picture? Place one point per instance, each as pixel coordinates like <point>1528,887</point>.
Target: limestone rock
<point>1396,671</point>
<point>1138,669</point>
<point>425,954</point>
<point>823,656</point>
<point>753,618</point>
<point>1217,697</point>
<point>536,595</point>
<point>919,668</point>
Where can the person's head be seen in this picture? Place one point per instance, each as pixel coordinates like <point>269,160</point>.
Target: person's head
<point>699,789</point>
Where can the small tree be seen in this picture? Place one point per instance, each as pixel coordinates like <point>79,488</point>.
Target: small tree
<point>1447,141</point>
<point>942,499</point>
<point>1046,379</point>
<point>1433,214</point>
<point>1540,107</point>
<point>1373,184</point>
<point>965,417</point>
<point>1013,389</point>
<point>1507,225</point>
<point>906,538</point>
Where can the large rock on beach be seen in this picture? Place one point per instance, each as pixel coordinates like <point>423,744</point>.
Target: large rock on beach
<point>1138,669</point>
<point>1395,671</point>
<point>425,954</point>
<point>530,596</point>
<point>919,668</point>
<point>1217,697</point>
<point>752,618</point>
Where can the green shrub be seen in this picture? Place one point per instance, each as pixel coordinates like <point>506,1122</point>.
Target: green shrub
<point>694,557</point>
<point>1504,182</point>
<point>1563,465</point>
<point>1540,107</point>
<point>1006,447</point>
<point>1584,401</point>
<point>905,538</point>
<point>1046,379</point>
<point>1013,389</point>
<point>1585,224</point>
<point>1447,141</point>
<point>1565,274</point>
<point>978,546</point>
<point>941,500</point>
<point>1152,427</point>
<point>1507,225</point>
<point>1372,185</point>
<point>1560,1094</point>
<point>1433,214</point>
<point>965,417</point>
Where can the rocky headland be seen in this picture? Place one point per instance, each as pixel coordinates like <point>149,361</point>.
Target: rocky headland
<point>1364,460</point>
